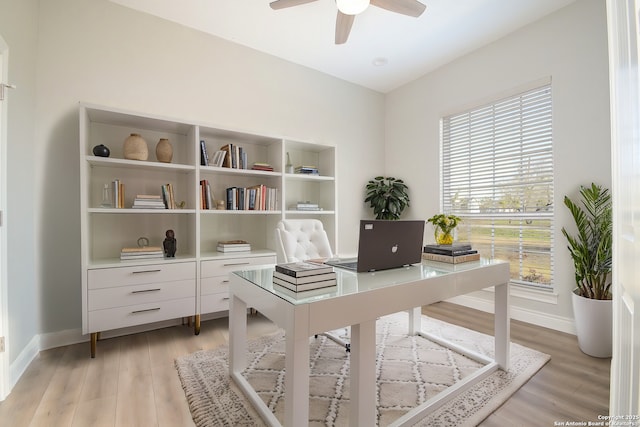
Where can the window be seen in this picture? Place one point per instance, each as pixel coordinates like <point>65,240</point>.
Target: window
<point>497,175</point>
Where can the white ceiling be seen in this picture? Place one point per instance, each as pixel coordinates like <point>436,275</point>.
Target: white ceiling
<point>304,34</point>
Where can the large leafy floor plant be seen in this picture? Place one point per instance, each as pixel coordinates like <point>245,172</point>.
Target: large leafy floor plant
<point>591,247</point>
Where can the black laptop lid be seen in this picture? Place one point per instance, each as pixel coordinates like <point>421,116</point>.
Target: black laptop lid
<point>385,244</point>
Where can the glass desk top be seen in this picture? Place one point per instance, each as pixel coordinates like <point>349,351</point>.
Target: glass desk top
<point>350,282</point>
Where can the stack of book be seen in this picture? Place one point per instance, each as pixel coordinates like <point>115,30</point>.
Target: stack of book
<point>453,254</point>
<point>305,206</point>
<point>259,166</point>
<point>233,246</point>
<point>304,276</point>
<point>148,201</point>
<point>310,170</point>
<point>145,252</point>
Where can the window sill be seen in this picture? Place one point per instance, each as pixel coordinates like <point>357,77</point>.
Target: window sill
<point>518,291</point>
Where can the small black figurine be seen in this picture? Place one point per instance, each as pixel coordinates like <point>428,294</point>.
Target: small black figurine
<point>170,244</point>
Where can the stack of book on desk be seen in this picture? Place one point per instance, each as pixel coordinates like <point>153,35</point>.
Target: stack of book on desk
<point>304,276</point>
<point>453,254</point>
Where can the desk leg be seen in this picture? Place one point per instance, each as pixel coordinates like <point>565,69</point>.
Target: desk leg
<point>502,326</point>
<point>296,380</point>
<point>237,335</point>
<point>363,374</point>
<point>415,320</point>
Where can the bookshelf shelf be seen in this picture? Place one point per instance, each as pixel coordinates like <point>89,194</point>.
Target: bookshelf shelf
<point>198,270</point>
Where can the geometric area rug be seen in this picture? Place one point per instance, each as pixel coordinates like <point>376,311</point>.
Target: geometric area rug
<point>410,370</point>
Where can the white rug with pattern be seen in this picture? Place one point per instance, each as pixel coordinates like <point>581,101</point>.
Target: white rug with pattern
<point>410,370</point>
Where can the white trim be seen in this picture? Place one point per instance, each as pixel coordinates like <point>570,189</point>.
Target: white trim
<point>538,318</point>
<point>495,98</point>
<point>24,359</point>
<point>531,294</point>
<point>5,384</point>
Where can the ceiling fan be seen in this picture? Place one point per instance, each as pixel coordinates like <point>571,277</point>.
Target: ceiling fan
<point>348,9</point>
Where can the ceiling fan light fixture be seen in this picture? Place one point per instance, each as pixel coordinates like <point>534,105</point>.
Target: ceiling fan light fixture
<point>352,7</point>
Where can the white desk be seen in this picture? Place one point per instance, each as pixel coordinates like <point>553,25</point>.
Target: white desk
<point>360,298</point>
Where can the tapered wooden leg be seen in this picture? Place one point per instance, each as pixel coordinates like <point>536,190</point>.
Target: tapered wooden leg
<point>94,343</point>
<point>196,324</point>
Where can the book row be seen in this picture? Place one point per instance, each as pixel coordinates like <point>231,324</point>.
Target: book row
<point>258,197</point>
<point>115,197</point>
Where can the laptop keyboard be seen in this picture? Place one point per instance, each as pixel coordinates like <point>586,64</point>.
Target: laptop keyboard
<point>351,265</point>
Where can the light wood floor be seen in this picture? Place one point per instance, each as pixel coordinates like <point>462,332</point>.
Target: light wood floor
<point>133,382</point>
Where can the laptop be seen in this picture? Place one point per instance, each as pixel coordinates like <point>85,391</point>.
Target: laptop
<point>385,244</point>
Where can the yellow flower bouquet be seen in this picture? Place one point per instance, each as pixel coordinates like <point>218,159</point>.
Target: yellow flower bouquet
<point>443,226</point>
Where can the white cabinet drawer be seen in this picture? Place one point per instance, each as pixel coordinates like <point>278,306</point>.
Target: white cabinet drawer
<point>136,275</point>
<point>212,285</point>
<point>213,303</point>
<point>220,267</point>
<point>122,296</point>
<point>122,317</point>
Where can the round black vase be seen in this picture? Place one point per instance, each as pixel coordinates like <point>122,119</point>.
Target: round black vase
<point>101,151</point>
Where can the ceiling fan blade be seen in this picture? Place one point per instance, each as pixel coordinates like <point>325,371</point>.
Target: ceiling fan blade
<point>281,4</point>
<point>405,7</point>
<point>343,27</point>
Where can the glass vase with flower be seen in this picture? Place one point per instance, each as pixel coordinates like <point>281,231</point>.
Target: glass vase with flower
<point>443,227</point>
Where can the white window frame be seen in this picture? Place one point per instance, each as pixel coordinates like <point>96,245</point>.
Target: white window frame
<point>482,127</point>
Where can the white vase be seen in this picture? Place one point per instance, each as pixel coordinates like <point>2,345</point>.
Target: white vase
<point>594,324</point>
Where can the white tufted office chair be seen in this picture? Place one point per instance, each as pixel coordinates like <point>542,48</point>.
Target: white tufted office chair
<point>301,240</point>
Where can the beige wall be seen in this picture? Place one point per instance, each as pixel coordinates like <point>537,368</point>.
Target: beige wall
<point>99,52</point>
<point>571,47</point>
<point>67,51</point>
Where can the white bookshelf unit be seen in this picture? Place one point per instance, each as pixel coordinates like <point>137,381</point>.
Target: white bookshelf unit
<point>125,293</point>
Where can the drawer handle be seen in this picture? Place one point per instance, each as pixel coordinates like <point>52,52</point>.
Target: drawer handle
<point>147,271</point>
<point>144,311</point>
<point>225,299</point>
<point>146,290</point>
<point>231,264</point>
<point>225,281</point>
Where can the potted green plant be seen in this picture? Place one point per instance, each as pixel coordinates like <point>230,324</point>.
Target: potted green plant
<point>387,196</point>
<point>591,252</point>
<point>443,226</point>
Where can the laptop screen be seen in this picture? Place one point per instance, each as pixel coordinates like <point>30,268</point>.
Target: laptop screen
<point>387,244</point>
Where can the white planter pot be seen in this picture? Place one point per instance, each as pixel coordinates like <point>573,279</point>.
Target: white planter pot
<point>594,323</point>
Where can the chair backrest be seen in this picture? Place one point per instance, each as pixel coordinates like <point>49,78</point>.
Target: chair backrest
<point>301,239</point>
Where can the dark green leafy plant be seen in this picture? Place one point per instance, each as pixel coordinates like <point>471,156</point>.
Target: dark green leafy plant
<point>591,248</point>
<point>387,196</point>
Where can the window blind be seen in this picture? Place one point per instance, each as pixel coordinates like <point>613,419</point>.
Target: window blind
<point>497,175</point>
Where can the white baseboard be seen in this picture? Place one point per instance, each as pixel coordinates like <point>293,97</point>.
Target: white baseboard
<point>22,362</point>
<point>74,336</point>
<point>545,320</point>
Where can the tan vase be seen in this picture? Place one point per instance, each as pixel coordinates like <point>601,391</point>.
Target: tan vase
<point>164,151</point>
<point>135,148</point>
